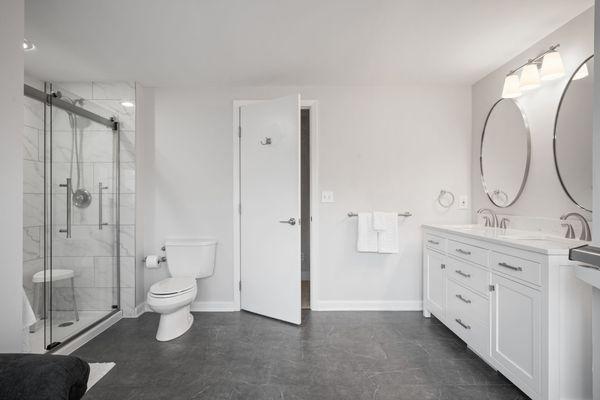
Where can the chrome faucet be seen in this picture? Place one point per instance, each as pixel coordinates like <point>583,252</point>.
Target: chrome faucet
<point>586,233</point>
<point>491,221</point>
<point>504,223</point>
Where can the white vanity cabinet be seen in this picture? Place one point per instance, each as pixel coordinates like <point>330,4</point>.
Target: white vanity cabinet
<point>517,304</point>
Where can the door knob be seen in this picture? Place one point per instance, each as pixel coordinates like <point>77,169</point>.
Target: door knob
<point>291,221</point>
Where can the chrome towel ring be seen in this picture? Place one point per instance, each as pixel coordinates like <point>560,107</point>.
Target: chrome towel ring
<point>446,198</point>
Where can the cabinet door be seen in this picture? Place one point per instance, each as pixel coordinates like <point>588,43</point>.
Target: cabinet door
<point>433,278</point>
<point>516,339</point>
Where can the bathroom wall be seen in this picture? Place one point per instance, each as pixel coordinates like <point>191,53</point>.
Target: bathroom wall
<point>11,174</point>
<point>543,201</point>
<point>90,253</point>
<point>380,148</point>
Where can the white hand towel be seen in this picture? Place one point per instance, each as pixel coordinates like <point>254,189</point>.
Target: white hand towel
<point>379,221</point>
<point>387,239</point>
<point>367,236</point>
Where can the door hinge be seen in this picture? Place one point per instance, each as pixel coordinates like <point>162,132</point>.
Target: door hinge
<point>240,285</point>
<point>492,288</point>
<point>239,131</point>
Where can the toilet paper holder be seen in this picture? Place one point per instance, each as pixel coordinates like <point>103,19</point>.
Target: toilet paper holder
<point>160,259</point>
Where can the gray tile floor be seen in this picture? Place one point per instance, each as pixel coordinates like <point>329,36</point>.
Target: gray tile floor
<point>334,355</point>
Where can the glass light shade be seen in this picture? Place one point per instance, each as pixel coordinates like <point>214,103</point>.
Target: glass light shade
<point>581,73</point>
<point>511,87</point>
<point>552,66</point>
<point>530,77</point>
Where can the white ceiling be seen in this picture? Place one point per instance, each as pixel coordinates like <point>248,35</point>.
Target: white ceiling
<point>285,42</point>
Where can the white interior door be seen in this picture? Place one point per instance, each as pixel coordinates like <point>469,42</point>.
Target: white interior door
<point>270,208</point>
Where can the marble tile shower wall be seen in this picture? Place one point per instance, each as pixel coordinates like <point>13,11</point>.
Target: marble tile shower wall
<point>90,253</point>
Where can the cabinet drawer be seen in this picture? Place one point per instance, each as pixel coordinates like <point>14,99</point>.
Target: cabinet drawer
<point>462,301</point>
<point>435,242</point>
<point>526,270</point>
<point>467,252</point>
<point>475,334</point>
<point>469,275</point>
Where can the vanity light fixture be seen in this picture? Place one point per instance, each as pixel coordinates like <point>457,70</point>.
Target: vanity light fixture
<point>127,104</point>
<point>27,45</point>
<point>581,73</point>
<point>551,65</point>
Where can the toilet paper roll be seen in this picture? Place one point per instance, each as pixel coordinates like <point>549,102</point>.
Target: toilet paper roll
<point>152,261</point>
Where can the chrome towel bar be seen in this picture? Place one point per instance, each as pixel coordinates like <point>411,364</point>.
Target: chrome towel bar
<point>404,214</point>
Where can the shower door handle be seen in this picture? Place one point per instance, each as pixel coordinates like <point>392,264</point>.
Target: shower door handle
<point>69,187</point>
<point>100,189</point>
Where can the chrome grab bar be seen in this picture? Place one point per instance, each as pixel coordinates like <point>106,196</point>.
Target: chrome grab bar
<point>404,214</point>
<point>68,185</point>
<point>100,188</point>
<point>460,297</point>
<point>465,252</point>
<point>458,271</point>
<point>458,321</point>
<point>505,265</point>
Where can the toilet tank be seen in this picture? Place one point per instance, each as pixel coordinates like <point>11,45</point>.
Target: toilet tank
<point>191,257</point>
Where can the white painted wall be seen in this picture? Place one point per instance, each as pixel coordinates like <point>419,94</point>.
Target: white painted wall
<point>543,195</point>
<point>389,148</point>
<point>11,174</point>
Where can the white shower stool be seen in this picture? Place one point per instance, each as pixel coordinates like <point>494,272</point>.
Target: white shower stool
<point>57,275</point>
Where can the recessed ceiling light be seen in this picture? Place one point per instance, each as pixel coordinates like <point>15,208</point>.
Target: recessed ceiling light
<point>127,104</point>
<point>27,45</point>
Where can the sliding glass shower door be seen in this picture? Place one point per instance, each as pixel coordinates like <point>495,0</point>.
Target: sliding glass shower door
<point>79,282</point>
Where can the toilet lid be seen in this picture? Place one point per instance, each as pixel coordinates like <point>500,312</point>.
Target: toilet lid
<point>173,286</point>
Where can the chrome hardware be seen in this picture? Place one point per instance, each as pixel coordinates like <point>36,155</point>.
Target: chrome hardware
<point>445,193</point>
<point>163,248</point>
<point>570,234</point>
<point>460,297</point>
<point>458,271</point>
<point>504,223</point>
<point>291,221</point>
<point>586,233</point>
<point>433,242</point>
<point>465,252</point>
<point>404,214</point>
<point>100,188</point>
<point>443,266</point>
<point>160,259</point>
<point>491,288</point>
<point>68,186</point>
<point>505,265</point>
<point>266,142</point>
<point>458,321</point>
<point>493,222</point>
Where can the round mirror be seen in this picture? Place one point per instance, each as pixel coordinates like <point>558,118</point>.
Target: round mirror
<point>573,136</point>
<point>505,153</point>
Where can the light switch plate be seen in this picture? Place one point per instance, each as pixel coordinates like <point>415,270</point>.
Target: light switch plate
<point>463,202</point>
<point>327,196</point>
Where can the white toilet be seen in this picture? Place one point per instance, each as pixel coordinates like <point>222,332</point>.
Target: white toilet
<point>187,260</point>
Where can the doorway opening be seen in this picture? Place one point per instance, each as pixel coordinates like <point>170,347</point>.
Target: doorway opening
<point>305,197</point>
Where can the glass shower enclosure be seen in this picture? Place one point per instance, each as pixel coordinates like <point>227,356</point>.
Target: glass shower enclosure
<point>71,215</point>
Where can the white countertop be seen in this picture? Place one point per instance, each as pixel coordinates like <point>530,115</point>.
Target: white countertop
<point>538,242</point>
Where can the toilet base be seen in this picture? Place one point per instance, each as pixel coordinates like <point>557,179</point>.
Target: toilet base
<point>175,324</point>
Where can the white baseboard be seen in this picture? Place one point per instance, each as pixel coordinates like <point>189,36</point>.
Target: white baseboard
<point>327,305</point>
<point>76,343</point>
<point>214,306</point>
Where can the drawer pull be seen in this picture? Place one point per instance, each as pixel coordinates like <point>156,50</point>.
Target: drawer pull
<point>443,266</point>
<point>505,265</point>
<point>465,252</point>
<point>460,297</point>
<point>458,271</point>
<point>458,321</point>
<point>433,242</point>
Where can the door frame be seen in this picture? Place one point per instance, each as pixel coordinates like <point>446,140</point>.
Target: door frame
<point>311,105</point>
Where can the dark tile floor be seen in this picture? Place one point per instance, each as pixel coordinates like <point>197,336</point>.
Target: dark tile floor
<point>333,355</point>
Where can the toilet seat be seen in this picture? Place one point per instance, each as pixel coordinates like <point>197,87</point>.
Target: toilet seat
<point>171,287</point>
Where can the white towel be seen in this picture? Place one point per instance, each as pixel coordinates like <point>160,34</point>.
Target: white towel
<point>367,236</point>
<point>379,221</point>
<point>387,238</point>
